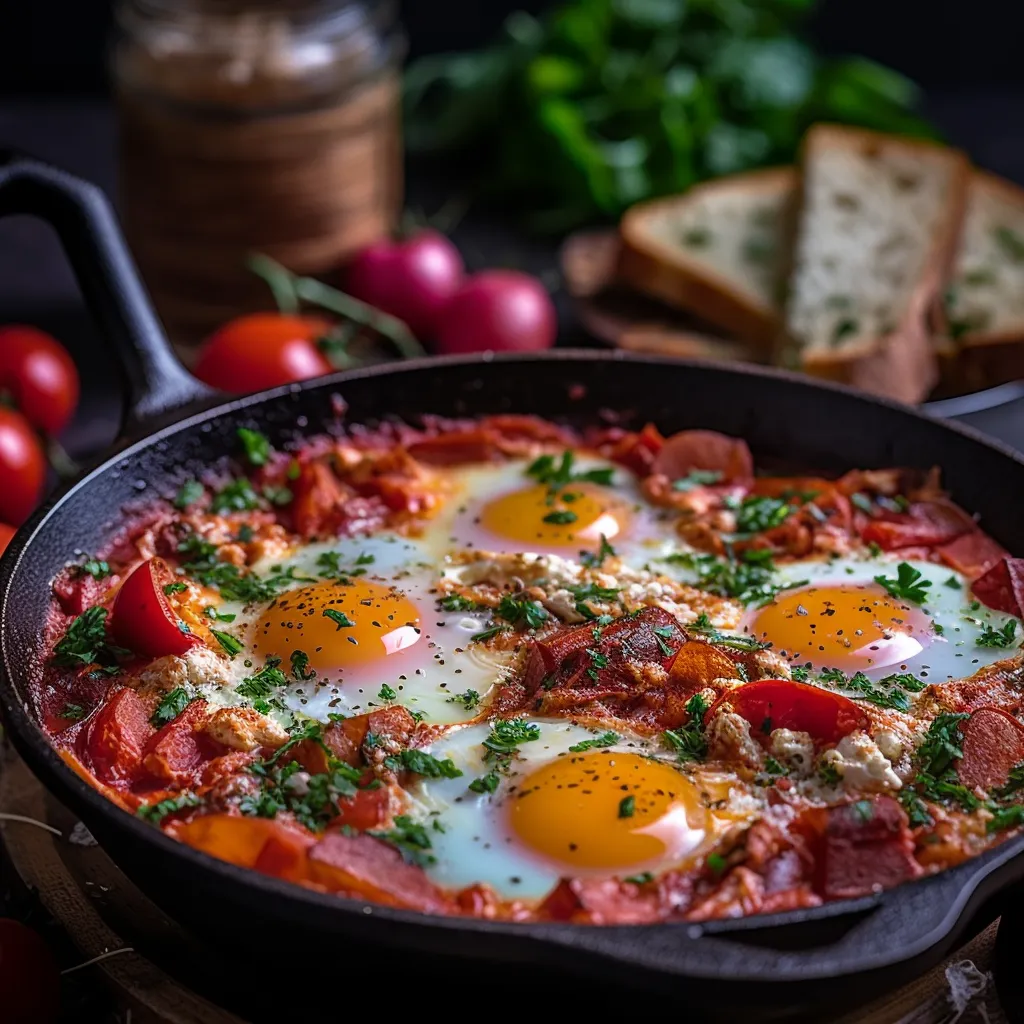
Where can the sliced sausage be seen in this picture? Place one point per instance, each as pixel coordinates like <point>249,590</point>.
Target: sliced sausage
<point>691,450</point>
<point>1002,587</point>
<point>993,742</point>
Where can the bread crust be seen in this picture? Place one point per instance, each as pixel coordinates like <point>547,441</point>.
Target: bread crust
<point>902,364</point>
<point>668,273</point>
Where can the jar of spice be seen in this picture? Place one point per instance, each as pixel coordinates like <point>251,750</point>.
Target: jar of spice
<point>268,126</point>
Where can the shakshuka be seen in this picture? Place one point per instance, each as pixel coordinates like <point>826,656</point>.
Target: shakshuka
<point>504,668</point>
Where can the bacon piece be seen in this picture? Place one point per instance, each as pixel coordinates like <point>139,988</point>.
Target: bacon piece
<point>366,867</point>
<point>635,451</point>
<point>601,901</point>
<point>1002,587</point>
<point>691,450</point>
<point>319,495</point>
<point>925,523</point>
<point>972,554</point>
<point>993,742</point>
<point>458,448</point>
<point>117,736</point>
<point>866,847</point>
<point>177,751</point>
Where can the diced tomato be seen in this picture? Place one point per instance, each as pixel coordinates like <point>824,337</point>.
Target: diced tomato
<point>116,737</point>
<point>179,750</point>
<point>370,868</point>
<point>993,742</point>
<point>770,704</point>
<point>972,553</point>
<point>1002,587</point>
<point>284,855</point>
<point>368,808</point>
<point>925,523</point>
<point>636,451</point>
<point>691,450</point>
<point>142,618</point>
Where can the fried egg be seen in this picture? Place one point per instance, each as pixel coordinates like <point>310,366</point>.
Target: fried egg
<point>504,509</point>
<point>836,614</point>
<point>359,626</point>
<point>557,812</point>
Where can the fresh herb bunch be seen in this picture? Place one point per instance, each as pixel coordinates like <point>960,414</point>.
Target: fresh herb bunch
<point>601,103</point>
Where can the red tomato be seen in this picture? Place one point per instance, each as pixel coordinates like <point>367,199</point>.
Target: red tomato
<point>263,350</point>
<point>40,375</point>
<point>500,311</point>
<point>22,467</point>
<point>29,979</point>
<point>412,280</point>
<point>142,618</point>
<point>770,704</point>
<point>6,533</point>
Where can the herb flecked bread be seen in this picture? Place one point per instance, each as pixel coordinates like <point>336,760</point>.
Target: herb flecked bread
<point>878,230</point>
<point>717,251</point>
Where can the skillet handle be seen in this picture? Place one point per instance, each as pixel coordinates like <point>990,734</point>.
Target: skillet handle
<point>84,220</point>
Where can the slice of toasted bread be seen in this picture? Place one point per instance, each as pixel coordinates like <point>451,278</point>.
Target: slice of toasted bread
<point>877,233</point>
<point>983,344</point>
<point>717,251</point>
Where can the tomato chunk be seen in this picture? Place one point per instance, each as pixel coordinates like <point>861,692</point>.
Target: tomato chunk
<point>117,736</point>
<point>284,855</point>
<point>993,742</point>
<point>1002,587</point>
<point>142,618</point>
<point>368,808</point>
<point>178,750</point>
<point>770,704</point>
<point>706,450</point>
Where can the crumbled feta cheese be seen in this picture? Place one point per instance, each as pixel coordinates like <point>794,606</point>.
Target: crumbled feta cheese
<point>729,739</point>
<point>889,744</point>
<point>861,764</point>
<point>244,729</point>
<point>197,667</point>
<point>795,749</point>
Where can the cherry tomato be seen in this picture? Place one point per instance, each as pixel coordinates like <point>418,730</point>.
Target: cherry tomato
<point>263,350</point>
<point>499,311</point>
<point>770,704</point>
<point>6,533</point>
<point>142,618</point>
<point>411,280</point>
<point>29,979</point>
<point>40,376</point>
<point>22,467</point>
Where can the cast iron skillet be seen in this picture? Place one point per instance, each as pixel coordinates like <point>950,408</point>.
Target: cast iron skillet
<point>802,962</point>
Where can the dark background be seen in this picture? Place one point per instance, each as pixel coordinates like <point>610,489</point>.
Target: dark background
<point>57,46</point>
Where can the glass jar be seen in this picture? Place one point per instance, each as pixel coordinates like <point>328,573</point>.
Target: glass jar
<point>271,127</point>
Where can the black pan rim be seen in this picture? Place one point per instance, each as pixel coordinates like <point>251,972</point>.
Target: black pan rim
<point>32,742</point>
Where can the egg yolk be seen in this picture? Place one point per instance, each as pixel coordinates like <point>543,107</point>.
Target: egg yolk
<point>845,626</point>
<point>607,811</point>
<point>338,626</point>
<point>573,516</point>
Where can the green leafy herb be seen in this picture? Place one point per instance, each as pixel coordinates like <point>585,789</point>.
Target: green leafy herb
<point>260,687</point>
<point>689,741</point>
<point>587,592</point>
<point>506,735</point>
<point>386,693</point>
<point>627,806</point>
<point>697,478</point>
<point>232,645</point>
<point>702,626</point>
<point>561,517</point>
<point>772,767</point>
<point>829,774</point>
<point>458,603</point>
<point>592,560</point>
<point>557,474</point>
<point>486,783</point>
<point>300,666</point>
<point>155,813</point>
<point>190,492</point>
<point>642,879</point>
<point>469,699</point>
<point>73,712</point>
<point>175,588</point>
<point>1014,782</point>
<point>716,863</point>
<point>410,839</point>
<point>889,693</point>
<point>256,445</point>
<point>422,763</point>
<point>277,496</point>
<point>862,502</point>
<point>1002,637</point>
<point>340,618</point>
<point>171,705</point>
<point>908,585</point>
<point>953,583</point>
<point>85,642</point>
<point>917,810</point>
<point>605,739</point>
<point>521,611</point>
<point>94,567</point>
<point>236,496</point>
<point>1011,243</point>
<point>1006,817</point>
<point>211,613</point>
<point>488,634</point>
<point>755,515</point>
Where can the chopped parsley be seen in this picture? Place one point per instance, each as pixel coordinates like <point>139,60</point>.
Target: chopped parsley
<point>422,763</point>
<point>1006,817</point>
<point>556,474</point>
<point>73,712</point>
<point>715,863</point>
<point>171,705</point>
<point>97,568</point>
<point>1014,782</point>
<point>936,778</point>
<point>507,734</point>
<point>236,496</point>
<point>597,661</point>
<point>592,559</point>
<point>85,642</point>
<point>410,839</point>
<point>561,517</point>
<point>605,739</point>
<point>627,806</point>
<point>486,783</point>
<point>748,578</point>
<point>488,634</point>
<point>862,502</point>
<point>891,692</point>
<point>689,741</point>
<point>908,585</point>
<point>642,879</point>
<point>341,620</point>
<point>521,611</point>
<point>188,494</point>
<point>702,626</point>
<point>953,583</point>
<point>773,767</point>
<point>592,592</point>
<point>155,813</point>
<point>469,699</point>
<point>386,693</point>
<point>259,688</point>
<point>300,666</point>
<point>829,774</point>
<point>755,515</point>
<point>1002,637</point>
<point>175,588</point>
<point>256,445</point>
<point>231,644</point>
<point>211,613</point>
<point>458,603</point>
<point>697,478</point>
